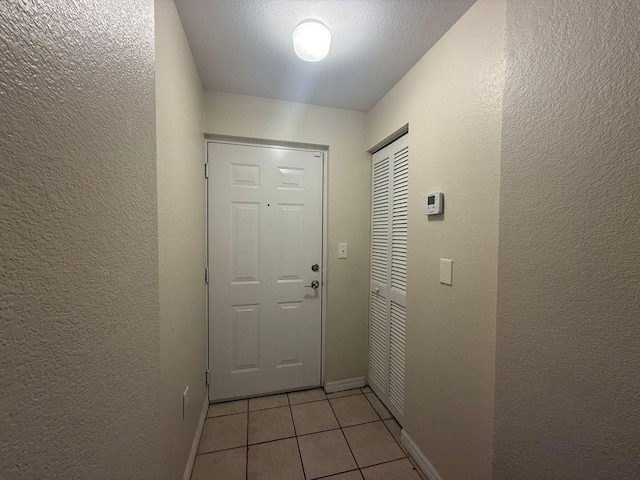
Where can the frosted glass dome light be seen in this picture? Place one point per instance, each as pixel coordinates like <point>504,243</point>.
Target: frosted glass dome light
<point>311,40</point>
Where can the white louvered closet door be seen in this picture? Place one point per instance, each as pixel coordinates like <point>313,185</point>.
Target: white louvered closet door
<point>388,297</point>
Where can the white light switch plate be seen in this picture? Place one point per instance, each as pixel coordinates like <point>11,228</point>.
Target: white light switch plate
<point>446,266</point>
<point>342,250</point>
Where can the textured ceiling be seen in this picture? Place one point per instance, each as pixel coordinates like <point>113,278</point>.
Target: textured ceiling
<point>244,46</point>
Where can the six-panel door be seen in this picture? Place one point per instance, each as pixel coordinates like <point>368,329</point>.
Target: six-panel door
<point>265,234</point>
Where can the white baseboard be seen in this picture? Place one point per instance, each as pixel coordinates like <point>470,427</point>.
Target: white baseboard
<point>419,457</point>
<point>339,385</point>
<point>196,439</point>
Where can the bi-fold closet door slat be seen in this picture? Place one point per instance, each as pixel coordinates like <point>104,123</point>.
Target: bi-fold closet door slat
<point>387,333</point>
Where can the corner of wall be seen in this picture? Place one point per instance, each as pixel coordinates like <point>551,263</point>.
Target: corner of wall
<point>181,234</point>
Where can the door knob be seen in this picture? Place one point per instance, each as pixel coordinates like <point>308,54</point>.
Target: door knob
<point>315,284</point>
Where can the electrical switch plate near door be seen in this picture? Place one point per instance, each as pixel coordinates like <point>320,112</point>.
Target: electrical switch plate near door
<point>342,250</point>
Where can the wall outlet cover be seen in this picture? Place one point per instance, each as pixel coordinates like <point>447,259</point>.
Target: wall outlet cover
<point>446,267</point>
<point>185,402</point>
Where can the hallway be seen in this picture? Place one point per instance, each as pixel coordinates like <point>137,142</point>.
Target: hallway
<point>346,435</point>
<point>489,293</point>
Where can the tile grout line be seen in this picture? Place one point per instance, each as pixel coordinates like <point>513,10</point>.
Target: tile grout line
<point>264,396</point>
<point>388,430</point>
<point>290,436</point>
<point>223,450</point>
<point>295,433</point>
<point>339,427</point>
<point>386,461</point>
<point>257,443</point>
<point>356,424</point>
<point>343,396</point>
<point>385,425</point>
<point>297,436</point>
<point>307,403</point>
<point>325,477</point>
<point>380,419</point>
<point>359,469</point>
<point>261,409</point>
<point>318,478</point>
<point>345,437</point>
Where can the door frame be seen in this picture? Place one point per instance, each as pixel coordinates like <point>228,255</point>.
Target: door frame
<point>324,150</point>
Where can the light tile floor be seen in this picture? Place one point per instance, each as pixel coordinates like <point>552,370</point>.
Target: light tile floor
<point>307,435</point>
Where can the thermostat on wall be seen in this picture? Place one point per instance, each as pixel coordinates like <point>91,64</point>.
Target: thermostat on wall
<point>434,203</point>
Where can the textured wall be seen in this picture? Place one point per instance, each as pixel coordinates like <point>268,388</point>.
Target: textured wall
<point>181,237</point>
<point>452,101</point>
<point>78,237</point>
<point>568,331</point>
<point>349,186</point>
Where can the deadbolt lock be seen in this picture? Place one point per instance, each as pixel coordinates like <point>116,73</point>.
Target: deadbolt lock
<point>315,267</point>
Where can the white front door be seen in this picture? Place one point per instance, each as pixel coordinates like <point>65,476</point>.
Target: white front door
<point>265,236</point>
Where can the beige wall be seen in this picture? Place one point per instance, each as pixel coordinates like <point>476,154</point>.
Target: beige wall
<point>568,332</point>
<point>452,101</point>
<point>181,238</point>
<point>78,239</point>
<point>348,210</point>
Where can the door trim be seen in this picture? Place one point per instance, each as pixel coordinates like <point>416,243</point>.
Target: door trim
<point>389,139</point>
<point>255,142</point>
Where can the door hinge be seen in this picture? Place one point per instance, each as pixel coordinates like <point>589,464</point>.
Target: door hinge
<point>206,170</point>
<point>206,275</point>
<point>317,154</point>
<point>206,377</point>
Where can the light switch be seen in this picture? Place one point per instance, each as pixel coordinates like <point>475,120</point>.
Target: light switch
<point>446,266</point>
<point>342,250</point>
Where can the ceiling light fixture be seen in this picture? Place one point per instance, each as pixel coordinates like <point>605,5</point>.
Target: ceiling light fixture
<point>311,40</point>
